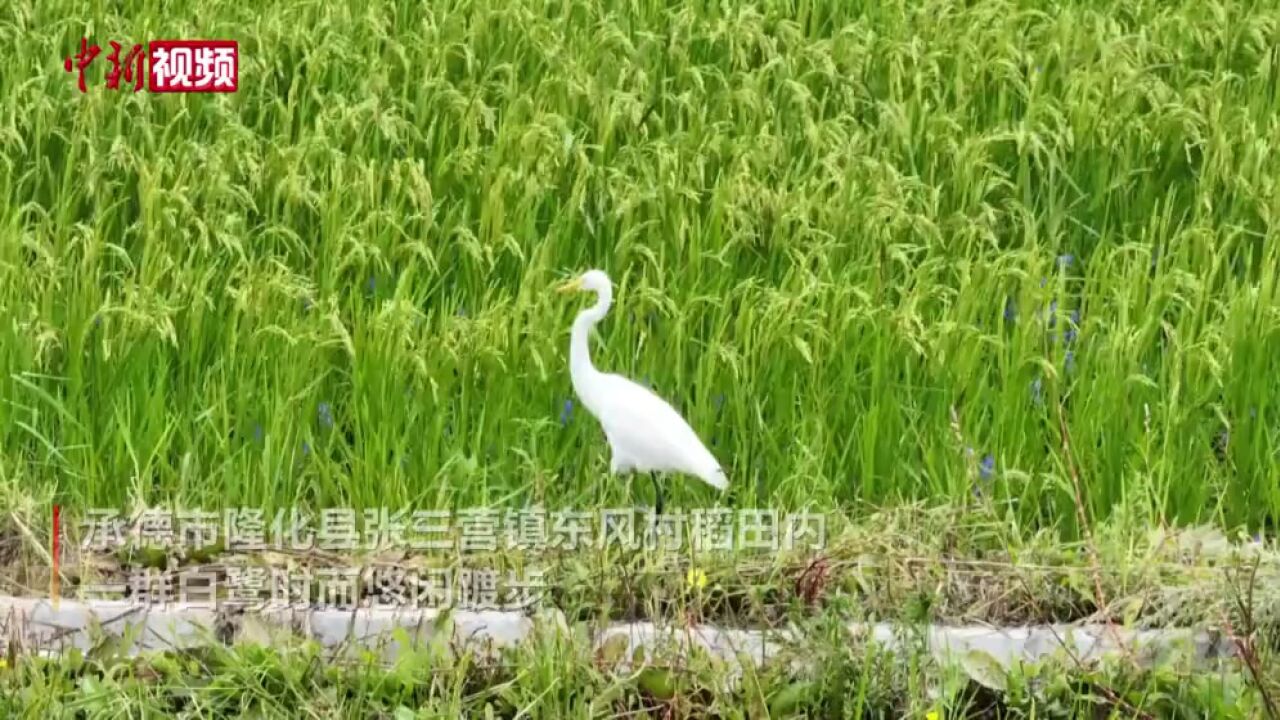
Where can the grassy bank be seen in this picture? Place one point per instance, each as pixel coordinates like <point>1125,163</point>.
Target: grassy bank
<point>561,675</point>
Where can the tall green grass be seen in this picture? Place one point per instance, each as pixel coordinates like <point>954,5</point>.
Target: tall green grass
<point>830,223</point>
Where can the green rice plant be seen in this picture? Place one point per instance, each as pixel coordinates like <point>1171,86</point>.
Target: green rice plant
<point>876,252</point>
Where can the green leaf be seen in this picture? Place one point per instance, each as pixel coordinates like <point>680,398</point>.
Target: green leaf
<point>983,669</point>
<point>659,682</point>
<point>790,698</point>
<point>613,649</point>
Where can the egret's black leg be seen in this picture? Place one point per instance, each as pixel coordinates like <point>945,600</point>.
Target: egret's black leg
<point>657,494</point>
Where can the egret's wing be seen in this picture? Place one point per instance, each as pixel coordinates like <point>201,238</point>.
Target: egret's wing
<point>652,434</point>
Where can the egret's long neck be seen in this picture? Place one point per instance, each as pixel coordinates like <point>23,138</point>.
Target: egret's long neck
<point>580,367</point>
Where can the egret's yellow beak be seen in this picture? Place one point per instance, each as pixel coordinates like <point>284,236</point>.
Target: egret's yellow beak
<point>574,284</point>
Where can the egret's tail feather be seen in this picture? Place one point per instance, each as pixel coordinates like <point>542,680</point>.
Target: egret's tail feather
<point>716,479</point>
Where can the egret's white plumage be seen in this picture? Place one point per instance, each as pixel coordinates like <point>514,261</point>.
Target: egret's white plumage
<point>644,432</point>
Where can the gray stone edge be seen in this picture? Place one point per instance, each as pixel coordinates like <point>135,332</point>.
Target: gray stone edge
<point>35,625</point>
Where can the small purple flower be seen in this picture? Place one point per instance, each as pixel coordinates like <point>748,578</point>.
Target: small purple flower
<point>371,285</point>
<point>1053,313</point>
<point>325,412</point>
<point>1036,387</point>
<point>1069,361</point>
<point>566,412</point>
<point>257,432</point>
<point>1065,260</point>
<point>1073,331</point>
<point>987,468</point>
<point>1010,312</point>
<point>306,448</point>
<point>718,401</point>
<point>306,304</point>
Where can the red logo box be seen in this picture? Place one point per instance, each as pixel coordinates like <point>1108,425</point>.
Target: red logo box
<point>193,66</point>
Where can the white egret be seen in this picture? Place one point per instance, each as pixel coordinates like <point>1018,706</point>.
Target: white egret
<point>645,433</point>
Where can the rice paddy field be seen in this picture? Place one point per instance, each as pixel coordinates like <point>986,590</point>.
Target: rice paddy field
<point>990,279</point>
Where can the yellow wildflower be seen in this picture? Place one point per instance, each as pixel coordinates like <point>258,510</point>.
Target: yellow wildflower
<point>696,578</point>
